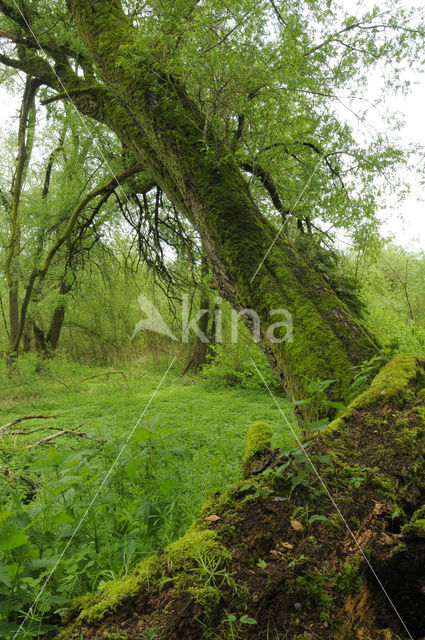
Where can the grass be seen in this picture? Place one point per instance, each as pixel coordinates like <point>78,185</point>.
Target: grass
<point>189,443</point>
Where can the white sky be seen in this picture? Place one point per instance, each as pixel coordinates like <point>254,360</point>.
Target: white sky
<point>406,223</point>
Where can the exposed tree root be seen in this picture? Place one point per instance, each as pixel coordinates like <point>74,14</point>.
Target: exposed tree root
<point>278,552</point>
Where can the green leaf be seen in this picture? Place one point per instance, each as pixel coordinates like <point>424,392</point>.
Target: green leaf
<point>336,405</point>
<point>4,576</point>
<point>5,514</point>
<point>325,459</point>
<point>296,403</point>
<point>317,518</point>
<point>12,538</point>
<point>319,426</point>
<point>132,468</point>
<point>297,480</point>
<point>141,435</point>
<point>247,620</point>
<point>62,518</point>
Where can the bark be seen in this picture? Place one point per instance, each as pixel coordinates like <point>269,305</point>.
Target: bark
<point>46,345</point>
<point>56,327</point>
<point>201,349</point>
<point>165,130</point>
<point>39,339</point>
<point>339,555</point>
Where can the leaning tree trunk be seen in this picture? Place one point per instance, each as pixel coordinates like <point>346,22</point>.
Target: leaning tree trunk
<point>155,117</point>
<point>338,555</point>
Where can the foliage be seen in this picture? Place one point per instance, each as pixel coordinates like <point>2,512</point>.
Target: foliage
<point>231,365</point>
<point>391,285</point>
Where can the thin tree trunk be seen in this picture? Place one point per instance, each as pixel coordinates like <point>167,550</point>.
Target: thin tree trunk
<point>55,328</point>
<point>200,348</point>
<point>39,339</point>
<point>25,144</point>
<point>58,317</point>
<point>46,344</point>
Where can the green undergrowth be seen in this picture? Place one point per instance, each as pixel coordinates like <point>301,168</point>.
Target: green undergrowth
<point>273,550</point>
<point>189,442</point>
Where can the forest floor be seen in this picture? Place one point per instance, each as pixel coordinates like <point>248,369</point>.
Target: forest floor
<point>188,443</point>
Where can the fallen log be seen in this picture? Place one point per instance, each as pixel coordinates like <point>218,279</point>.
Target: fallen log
<point>326,542</point>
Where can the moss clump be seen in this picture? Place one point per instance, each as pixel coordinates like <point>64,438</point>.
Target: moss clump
<point>209,597</point>
<point>184,557</point>
<point>419,514</point>
<point>420,411</point>
<point>258,444</point>
<point>415,529</point>
<point>111,594</point>
<point>72,632</point>
<point>350,580</point>
<point>402,423</point>
<point>218,503</point>
<point>392,385</point>
<point>312,591</point>
<point>115,635</point>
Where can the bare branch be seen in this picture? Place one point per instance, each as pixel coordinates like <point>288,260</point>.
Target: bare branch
<point>10,424</point>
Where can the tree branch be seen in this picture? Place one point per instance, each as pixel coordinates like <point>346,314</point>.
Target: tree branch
<point>106,188</point>
<point>268,184</point>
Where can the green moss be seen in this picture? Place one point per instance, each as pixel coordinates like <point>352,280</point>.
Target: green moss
<point>112,594</point>
<point>313,594</point>
<point>414,530</point>
<point>183,558</point>
<point>258,444</point>
<point>420,411</point>
<point>115,635</point>
<point>392,386</point>
<point>195,543</point>
<point>72,632</point>
<point>350,580</point>
<point>402,423</point>
<point>419,514</point>
<point>217,503</point>
<point>208,597</point>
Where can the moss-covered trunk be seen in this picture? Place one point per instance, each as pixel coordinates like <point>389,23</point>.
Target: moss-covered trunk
<point>168,134</point>
<point>339,555</point>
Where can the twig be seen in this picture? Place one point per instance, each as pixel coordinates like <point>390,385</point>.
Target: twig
<point>107,373</point>
<point>61,382</point>
<point>10,424</point>
<point>31,483</point>
<point>62,433</point>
